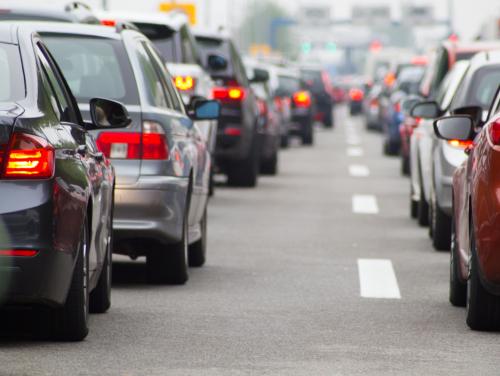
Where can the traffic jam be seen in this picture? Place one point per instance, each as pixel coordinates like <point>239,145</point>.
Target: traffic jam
<point>249,188</point>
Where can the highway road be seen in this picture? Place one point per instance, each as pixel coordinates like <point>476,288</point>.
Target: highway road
<point>318,271</point>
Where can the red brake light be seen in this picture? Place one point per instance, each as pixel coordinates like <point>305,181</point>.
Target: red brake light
<point>494,131</point>
<point>356,94</point>
<point>185,83</point>
<point>111,23</point>
<point>150,144</point>
<point>231,131</point>
<point>302,99</point>
<point>18,252</point>
<point>28,157</point>
<point>229,93</point>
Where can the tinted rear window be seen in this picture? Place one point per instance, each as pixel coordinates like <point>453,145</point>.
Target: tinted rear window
<point>214,46</point>
<point>163,38</point>
<point>288,85</point>
<point>313,79</point>
<point>94,67</point>
<point>11,75</point>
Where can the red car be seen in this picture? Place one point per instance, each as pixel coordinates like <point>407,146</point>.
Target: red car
<point>475,249</point>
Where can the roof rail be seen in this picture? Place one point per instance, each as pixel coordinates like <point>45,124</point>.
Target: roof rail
<point>77,5</point>
<point>123,25</point>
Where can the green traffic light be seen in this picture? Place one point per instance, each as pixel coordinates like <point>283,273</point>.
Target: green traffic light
<point>306,47</point>
<point>331,46</point>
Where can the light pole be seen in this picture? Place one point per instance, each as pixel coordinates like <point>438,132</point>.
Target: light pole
<point>105,4</point>
<point>451,15</point>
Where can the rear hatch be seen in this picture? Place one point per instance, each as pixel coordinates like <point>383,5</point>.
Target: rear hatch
<point>100,67</point>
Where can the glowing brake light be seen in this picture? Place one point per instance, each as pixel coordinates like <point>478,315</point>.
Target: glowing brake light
<point>356,94</point>
<point>184,83</point>
<point>111,23</point>
<point>229,93</point>
<point>150,144</point>
<point>18,252</point>
<point>302,99</point>
<point>28,157</point>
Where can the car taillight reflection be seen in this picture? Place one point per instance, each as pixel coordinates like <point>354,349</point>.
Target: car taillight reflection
<point>28,157</point>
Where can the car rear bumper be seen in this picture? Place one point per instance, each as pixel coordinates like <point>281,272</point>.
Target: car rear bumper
<point>151,209</point>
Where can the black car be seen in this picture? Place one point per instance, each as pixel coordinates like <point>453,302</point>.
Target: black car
<point>318,83</point>
<point>56,215</point>
<point>73,12</point>
<point>237,147</point>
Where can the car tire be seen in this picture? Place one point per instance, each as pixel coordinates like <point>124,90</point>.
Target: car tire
<point>308,133</point>
<point>328,122</point>
<point>70,322</point>
<point>270,166</point>
<point>458,289</point>
<point>100,297</point>
<point>483,308</point>
<point>441,229</point>
<point>405,166</point>
<point>245,173</point>
<point>423,210</point>
<point>211,183</point>
<point>285,141</point>
<point>168,264</point>
<point>197,251</point>
<point>413,205</point>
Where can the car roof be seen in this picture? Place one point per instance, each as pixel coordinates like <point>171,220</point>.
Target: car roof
<point>8,33</point>
<point>69,13</point>
<point>68,28</point>
<point>212,34</point>
<point>464,47</point>
<point>175,20</point>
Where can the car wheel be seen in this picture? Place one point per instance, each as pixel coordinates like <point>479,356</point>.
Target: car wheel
<point>285,141</point>
<point>405,166</point>
<point>270,166</point>
<point>197,251</point>
<point>413,205</point>
<point>70,322</point>
<point>100,297</point>
<point>458,289</point>
<point>482,307</point>
<point>211,183</point>
<point>423,210</point>
<point>308,133</point>
<point>246,172</point>
<point>168,264</point>
<point>328,122</point>
<point>441,229</point>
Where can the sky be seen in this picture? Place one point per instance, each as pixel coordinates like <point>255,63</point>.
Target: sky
<point>468,14</point>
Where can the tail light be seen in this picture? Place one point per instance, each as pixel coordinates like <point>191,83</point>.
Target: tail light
<point>356,94</point>
<point>460,143</point>
<point>397,107</point>
<point>28,157</point>
<point>185,83</point>
<point>106,22</point>
<point>494,131</point>
<point>236,94</point>
<point>150,144</point>
<point>18,252</point>
<point>302,99</point>
<point>232,131</point>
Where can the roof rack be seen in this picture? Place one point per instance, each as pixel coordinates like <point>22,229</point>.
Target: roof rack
<point>77,5</point>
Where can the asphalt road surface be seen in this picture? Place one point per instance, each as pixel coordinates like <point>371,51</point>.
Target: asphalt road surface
<point>319,271</point>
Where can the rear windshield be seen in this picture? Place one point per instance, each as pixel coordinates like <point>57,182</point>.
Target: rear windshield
<point>94,67</point>
<point>162,37</point>
<point>214,46</point>
<point>11,75</point>
<point>481,90</point>
<point>313,79</point>
<point>288,85</point>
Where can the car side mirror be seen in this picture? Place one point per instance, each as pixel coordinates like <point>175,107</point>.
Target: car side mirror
<point>474,112</point>
<point>426,110</point>
<point>205,110</point>
<point>408,103</point>
<point>259,75</point>
<point>108,114</point>
<point>455,127</point>
<point>216,63</point>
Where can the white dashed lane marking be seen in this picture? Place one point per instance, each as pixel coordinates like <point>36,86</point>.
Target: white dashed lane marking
<point>377,279</point>
<point>359,171</point>
<point>364,204</point>
<point>355,152</point>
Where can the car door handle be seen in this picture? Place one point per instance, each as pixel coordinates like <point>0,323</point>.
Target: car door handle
<point>82,150</point>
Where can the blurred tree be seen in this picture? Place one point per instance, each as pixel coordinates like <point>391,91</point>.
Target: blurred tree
<point>256,27</point>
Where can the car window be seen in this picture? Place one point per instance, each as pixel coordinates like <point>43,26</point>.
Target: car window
<point>11,75</point>
<point>450,84</point>
<point>288,85</point>
<point>239,68</point>
<point>94,67</point>
<point>165,79</point>
<point>188,45</point>
<point>65,106</point>
<point>214,46</point>
<point>313,79</point>
<point>481,90</point>
<point>163,38</point>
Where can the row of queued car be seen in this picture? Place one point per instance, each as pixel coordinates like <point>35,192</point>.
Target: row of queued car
<point>112,128</point>
<point>450,141</point>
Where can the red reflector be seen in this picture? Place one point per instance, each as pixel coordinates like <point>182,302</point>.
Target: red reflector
<point>356,94</point>
<point>494,131</point>
<point>18,252</point>
<point>184,83</point>
<point>302,99</point>
<point>28,157</point>
<point>228,93</point>
<point>111,23</point>
<point>230,131</point>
